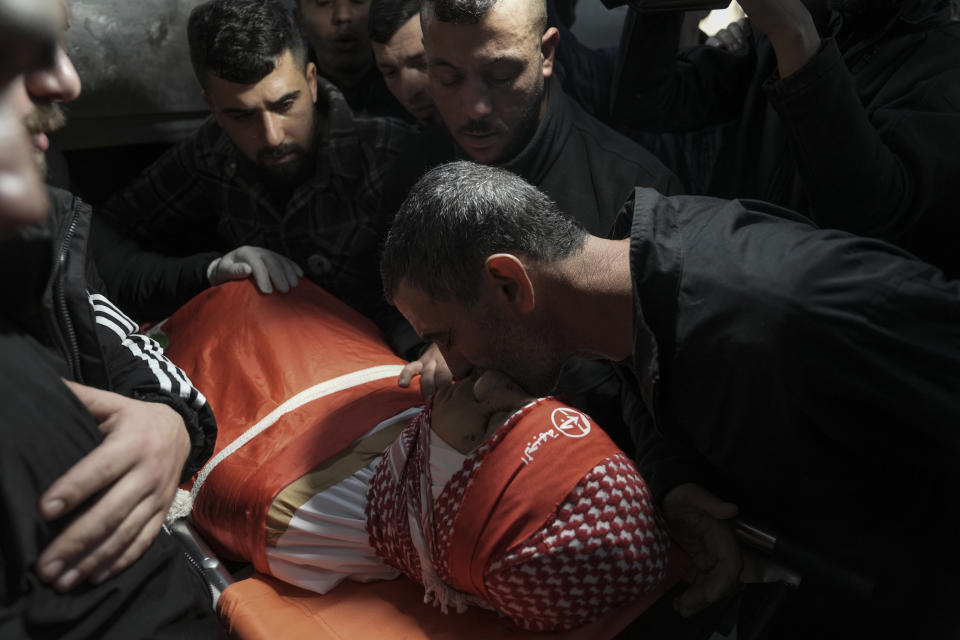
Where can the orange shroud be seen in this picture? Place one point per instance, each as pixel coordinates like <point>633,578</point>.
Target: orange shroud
<point>230,326</point>
<point>284,345</point>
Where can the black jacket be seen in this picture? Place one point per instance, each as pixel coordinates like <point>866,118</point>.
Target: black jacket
<point>864,138</point>
<point>810,376</point>
<point>51,301</point>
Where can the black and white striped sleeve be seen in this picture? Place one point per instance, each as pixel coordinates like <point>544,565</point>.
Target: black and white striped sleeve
<point>138,368</point>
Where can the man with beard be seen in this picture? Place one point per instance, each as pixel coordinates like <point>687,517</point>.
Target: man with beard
<point>490,64</point>
<point>283,180</point>
<point>337,32</point>
<point>28,35</point>
<point>809,377</point>
<point>847,111</point>
<point>97,428</point>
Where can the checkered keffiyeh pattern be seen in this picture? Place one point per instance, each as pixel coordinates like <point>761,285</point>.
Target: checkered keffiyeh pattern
<point>387,504</point>
<point>201,196</point>
<point>605,545</point>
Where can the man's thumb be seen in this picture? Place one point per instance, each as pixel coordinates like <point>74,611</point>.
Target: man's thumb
<point>237,271</point>
<point>101,404</point>
<point>717,508</point>
<point>692,495</point>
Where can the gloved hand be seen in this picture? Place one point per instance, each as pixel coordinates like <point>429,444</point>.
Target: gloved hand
<point>269,269</point>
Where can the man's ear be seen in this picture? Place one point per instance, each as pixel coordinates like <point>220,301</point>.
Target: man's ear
<point>311,74</point>
<point>548,49</point>
<point>508,279</point>
<point>206,99</point>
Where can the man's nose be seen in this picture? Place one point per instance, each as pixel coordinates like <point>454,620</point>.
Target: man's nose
<point>341,11</point>
<point>411,85</point>
<point>476,101</point>
<point>57,83</point>
<point>272,130</point>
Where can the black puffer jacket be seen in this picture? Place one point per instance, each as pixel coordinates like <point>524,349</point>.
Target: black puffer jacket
<point>50,299</point>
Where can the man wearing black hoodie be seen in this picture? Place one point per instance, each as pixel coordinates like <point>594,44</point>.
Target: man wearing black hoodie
<point>847,111</point>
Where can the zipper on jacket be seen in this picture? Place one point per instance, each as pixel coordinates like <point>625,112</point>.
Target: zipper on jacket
<point>60,294</point>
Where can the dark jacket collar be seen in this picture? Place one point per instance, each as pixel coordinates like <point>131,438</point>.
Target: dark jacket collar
<point>656,265</point>
<point>27,258</point>
<point>537,158</point>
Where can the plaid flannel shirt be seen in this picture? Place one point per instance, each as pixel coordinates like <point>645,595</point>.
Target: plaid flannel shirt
<point>202,196</point>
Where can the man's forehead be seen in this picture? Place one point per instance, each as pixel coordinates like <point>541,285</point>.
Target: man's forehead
<point>408,38</point>
<point>33,15</point>
<point>28,33</point>
<point>518,19</point>
<point>284,79</point>
<point>474,50</point>
<point>406,43</point>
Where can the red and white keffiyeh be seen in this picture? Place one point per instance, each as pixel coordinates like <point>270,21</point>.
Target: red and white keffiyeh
<point>546,522</point>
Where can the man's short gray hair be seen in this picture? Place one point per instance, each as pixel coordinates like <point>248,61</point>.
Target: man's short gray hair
<point>460,213</point>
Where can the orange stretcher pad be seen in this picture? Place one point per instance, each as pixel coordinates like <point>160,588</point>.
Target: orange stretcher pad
<point>262,608</point>
<point>315,376</point>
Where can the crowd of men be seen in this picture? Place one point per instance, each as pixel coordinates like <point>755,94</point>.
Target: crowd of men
<point>775,333</point>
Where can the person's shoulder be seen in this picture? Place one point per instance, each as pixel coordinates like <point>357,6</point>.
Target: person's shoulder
<point>422,151</point>
<point>384,133</point>
<point>427,149</point>
<point>377,135</point>
<point>613,150</point>
<point>929,66</point>
<point>208,146</point>
<point>779,260</point>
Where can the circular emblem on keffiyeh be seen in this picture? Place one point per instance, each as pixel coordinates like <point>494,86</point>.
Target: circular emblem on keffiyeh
<point>570,422</point>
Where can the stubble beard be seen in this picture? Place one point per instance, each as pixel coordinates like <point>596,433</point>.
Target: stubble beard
<point>45,117</point>
<point>294,172</point>
<point>527,356</point>
<point>527,125</point>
